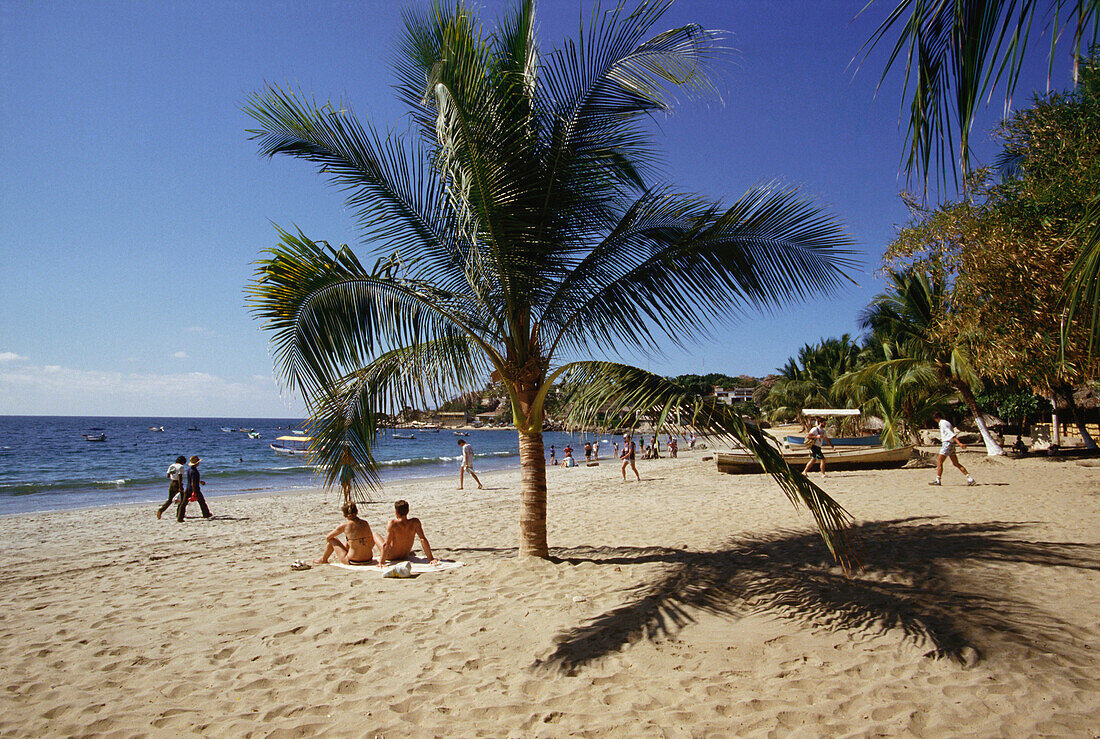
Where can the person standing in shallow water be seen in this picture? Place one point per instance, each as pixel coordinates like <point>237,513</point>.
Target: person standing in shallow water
<point>175,482</point>
<point>467,464</point>
<point>194,488</point>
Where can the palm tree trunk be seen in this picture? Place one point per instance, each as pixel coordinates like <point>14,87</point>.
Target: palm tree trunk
<point>1066,391</point>
<point>532,517</point>
<point>992,448</point>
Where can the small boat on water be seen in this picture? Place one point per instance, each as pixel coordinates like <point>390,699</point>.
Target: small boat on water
<point>462,433</point>
<point>873,440</point>
<point>94,437</point>
<point>403,436</point>
<point>740,462</point>
<point>226,429</point>
<point>253,434</point>
<point>159,429</point>
<point>292,445</point>
<point>193,428</point>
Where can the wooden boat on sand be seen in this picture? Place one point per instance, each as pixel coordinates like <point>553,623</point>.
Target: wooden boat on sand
<point>739,462</point>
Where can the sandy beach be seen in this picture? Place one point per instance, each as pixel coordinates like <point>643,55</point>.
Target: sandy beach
<point>692,604</point>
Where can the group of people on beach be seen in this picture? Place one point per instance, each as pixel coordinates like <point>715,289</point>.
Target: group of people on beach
<point>191,492</point>
<point>353,542</point>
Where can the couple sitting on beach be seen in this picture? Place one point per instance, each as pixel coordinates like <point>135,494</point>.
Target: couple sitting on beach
<point>359,547</point>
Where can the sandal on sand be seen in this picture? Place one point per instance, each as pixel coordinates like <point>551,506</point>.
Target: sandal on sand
<point>299,565</point>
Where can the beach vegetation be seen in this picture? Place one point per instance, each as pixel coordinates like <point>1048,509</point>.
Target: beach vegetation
<point>520,226</point>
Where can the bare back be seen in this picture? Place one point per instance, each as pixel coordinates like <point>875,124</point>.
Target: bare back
<point>360,540</point>
<point>400,536</point>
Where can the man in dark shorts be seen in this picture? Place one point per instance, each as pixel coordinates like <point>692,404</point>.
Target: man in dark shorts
<point>194,488</point>
<point>813,440</point>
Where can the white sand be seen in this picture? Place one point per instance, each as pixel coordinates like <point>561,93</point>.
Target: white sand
<point>692,604</point>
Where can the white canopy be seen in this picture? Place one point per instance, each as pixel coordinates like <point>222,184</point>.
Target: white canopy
<point>830,411</point>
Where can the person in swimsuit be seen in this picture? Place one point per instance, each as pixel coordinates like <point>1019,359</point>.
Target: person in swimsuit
<point>359,548</point>
<point>627,455</point>
<point>347,473</point>
<point>401,533</point>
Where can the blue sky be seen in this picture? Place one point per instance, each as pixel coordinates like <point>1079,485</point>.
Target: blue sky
<point>133,205</point>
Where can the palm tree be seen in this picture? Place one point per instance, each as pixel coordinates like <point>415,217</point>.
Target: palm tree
<point>524,231</point>
<point>907,314</point>
<point>901,393</point>
<point>808,380</point>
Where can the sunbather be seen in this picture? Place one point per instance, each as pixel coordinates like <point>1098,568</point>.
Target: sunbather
<point>359,548</point>
<point>400,535</point>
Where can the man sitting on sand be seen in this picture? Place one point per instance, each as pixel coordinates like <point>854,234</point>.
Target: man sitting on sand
<point>400,533</point>
<point>359,549</point>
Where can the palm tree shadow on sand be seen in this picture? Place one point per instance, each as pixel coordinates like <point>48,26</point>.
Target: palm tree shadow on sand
<point>936,582</point>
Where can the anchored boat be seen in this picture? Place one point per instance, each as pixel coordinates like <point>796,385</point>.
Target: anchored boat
<point>292,445</point>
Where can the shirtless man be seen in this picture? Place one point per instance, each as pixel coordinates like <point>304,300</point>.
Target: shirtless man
<point>359,549</point>
<point>400,535</point>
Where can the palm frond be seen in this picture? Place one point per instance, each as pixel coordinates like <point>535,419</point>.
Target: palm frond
<point>957,52</point>
<point>328,314</point>
<point>398,201</point>
<point>677,262</point>
<point>597,391</point>
<point>1081,286</point>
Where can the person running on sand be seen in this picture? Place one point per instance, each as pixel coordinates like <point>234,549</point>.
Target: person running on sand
<point>814,439</point>
<point>467,464</point>
<point>359,548</point>
<point>175,482</point>
<point>949,439</point>
<point>400,535</point>
<point>627,455</point>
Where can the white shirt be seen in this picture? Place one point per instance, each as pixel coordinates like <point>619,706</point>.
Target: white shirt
<point>815,436</point>
<point>947,431</point>
<point>467,455</point>
<point>175,472</point>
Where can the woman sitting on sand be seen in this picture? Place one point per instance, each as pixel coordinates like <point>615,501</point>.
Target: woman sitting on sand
<point>359,549</point>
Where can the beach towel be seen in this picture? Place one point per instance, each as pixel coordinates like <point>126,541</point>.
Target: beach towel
<point>420,566</point>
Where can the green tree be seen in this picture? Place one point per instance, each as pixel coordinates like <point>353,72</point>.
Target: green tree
<point>523,210</point>
<point>911,312</point>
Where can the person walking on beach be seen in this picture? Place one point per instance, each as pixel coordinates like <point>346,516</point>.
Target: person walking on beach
<point>949,439</point>
<point>627,455</point>
<point>359,547</point>
<point>347,473</point>
<point>467,464</point>
<point>814,439</point>
<point>596,450</point>
<point>553,456</point>
<point>175,482</point>
<point>401,533</point>
<point>194,489</point>
<point>588,451</point>
<point>691,442</point>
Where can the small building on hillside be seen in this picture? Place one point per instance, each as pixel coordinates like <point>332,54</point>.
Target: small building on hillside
<point>453,419</point>
<point>731,395</point>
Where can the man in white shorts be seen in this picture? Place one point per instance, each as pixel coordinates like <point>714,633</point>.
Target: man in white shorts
<point>949,440</point>
<point>467,464</point>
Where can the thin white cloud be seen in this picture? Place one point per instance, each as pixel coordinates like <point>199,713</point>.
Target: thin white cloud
<point>55,390</point>
<point>179,355</point>
<point>11,357</point>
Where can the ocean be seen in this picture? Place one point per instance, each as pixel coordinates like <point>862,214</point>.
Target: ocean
<point>46,464</point>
